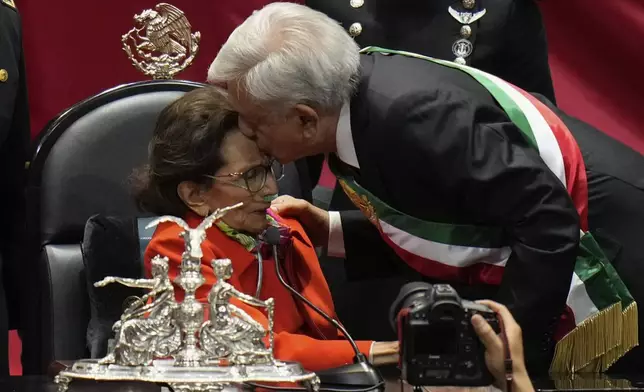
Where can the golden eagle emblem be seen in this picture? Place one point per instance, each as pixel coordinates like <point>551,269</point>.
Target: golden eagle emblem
<point>362,202</point>
<point>162,43</point>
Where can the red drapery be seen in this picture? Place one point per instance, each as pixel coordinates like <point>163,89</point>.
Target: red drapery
<point>597,63</point>
<point>74,47</point>
<point>73,50</point>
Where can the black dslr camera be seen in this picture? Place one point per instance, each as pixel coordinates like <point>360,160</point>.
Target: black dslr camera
<point>438,345</point>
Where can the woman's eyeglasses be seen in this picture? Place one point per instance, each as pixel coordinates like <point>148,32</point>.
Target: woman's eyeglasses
<point>254,179</point>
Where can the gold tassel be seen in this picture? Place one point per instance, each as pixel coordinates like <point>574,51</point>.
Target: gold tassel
<point>591,339</point>
<point>629,337</point>
<point>591,381</point>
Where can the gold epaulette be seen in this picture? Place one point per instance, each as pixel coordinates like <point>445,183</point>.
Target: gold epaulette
<point>10,3</point>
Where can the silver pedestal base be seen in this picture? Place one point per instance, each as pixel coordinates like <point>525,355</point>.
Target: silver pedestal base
<point>189,379</point>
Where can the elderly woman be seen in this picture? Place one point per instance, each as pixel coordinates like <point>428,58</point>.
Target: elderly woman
<point>198,162</point>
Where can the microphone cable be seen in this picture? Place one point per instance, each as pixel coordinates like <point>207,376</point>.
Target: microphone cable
<point>272,237</point>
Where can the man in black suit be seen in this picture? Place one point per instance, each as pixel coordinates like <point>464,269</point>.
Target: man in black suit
<point>506,38</point>
<point>14,142</point>
<point>467,178</point>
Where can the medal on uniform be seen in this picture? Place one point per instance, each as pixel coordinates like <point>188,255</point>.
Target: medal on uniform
<point>355,29</point>
<point>463,47</point>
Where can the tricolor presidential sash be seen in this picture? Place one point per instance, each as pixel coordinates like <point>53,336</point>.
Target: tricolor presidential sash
<point>605,314</point>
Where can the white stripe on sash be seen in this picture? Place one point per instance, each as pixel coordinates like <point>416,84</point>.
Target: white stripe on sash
<point>546,140</point>
<point>579,300</point>
<point>452,255</point>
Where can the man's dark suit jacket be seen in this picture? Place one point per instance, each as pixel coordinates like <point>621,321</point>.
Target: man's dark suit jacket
<point>14,144</point>
<point>434,144</point>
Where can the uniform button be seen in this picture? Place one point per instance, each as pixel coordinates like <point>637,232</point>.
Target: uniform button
<point>469,4</point>
<point>4,75</point>
<point>356,3</point>
<point>355,29</point>
<point>466,31</point>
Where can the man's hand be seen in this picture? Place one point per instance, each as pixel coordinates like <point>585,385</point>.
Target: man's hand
<point>314,220</point>
<point>495,352</point>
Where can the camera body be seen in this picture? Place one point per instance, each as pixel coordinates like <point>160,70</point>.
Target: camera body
<point>438,345</point>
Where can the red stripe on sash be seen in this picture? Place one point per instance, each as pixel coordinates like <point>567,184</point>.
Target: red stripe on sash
<point>474,274</point>
<point>576,180</point>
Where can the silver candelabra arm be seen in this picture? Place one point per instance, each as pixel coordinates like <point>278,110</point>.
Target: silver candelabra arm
<point>136,283</point>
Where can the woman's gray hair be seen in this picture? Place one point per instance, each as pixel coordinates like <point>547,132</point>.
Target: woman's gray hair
<point>285,54</point>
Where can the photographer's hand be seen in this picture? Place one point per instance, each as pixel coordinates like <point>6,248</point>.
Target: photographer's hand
<point>495,351</point>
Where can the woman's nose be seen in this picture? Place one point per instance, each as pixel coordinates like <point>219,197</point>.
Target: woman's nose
<point>270,188</point>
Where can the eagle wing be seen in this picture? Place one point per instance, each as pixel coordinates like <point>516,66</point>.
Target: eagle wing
<point>215,216</point>
<point>174,23</point>
<point>168,218</point>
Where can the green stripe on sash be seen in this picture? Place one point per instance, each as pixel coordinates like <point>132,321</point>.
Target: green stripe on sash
<point>592,268</point>
<point>444,233</point>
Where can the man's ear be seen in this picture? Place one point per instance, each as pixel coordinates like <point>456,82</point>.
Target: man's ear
<point>192,195</point>
<point>309,121</point>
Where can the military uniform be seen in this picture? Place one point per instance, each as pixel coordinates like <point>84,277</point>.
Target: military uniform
<point>14,144</point>
<point>503,37</point>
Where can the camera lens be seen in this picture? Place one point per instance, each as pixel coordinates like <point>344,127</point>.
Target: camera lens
<point>407,295</point>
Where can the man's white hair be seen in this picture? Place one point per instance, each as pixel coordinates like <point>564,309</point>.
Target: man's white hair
<point>285,54</point>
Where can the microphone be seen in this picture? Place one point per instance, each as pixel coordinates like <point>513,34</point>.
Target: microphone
<point>361,372</point>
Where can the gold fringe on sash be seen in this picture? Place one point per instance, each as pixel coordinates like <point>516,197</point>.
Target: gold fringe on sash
<point>598,342</point>
<point>589,340</point>
<point>591,381</point>
<point>629,337</point>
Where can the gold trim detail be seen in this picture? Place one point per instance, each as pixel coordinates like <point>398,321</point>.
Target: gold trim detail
<point>598,342</point>
<point>362,202</point>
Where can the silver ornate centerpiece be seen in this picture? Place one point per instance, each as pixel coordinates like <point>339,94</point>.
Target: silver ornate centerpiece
<point>162,43</point>
<point>161,340</point>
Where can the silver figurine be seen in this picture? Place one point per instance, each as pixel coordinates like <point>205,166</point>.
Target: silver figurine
<point>231,333</point>
<point>160,340</point>
<point>162,43</point>
<point>146,330</point>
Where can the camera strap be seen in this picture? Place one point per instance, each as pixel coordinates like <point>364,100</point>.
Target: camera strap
<point>507,356</point>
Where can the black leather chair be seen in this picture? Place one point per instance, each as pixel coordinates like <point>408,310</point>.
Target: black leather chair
<point>80,168</point>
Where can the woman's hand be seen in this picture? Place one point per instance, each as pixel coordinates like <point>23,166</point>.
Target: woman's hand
<point>314,220</point>
<point>495,351</point>
<point>385,353</point>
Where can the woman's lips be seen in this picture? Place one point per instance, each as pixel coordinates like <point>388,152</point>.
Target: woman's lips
<point>262,210</point>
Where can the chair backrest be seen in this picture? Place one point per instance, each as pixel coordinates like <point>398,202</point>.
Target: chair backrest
<point>80,168</point>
